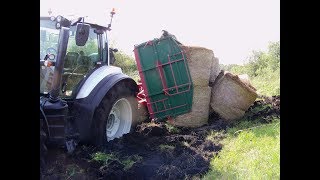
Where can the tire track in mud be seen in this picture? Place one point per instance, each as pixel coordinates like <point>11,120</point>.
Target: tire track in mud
<point>182,155</point>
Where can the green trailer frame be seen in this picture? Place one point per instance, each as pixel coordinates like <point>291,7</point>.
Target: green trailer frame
<point>165,77</point>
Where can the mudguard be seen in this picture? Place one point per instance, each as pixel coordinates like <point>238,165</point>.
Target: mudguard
<point>94,78</point>
<point>84,108</point>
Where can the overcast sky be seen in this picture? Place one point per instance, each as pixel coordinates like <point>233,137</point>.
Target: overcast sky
<point>231,28</point>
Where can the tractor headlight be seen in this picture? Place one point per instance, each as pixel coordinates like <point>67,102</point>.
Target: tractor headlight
<point>59,18</point>
<point>52,18</point>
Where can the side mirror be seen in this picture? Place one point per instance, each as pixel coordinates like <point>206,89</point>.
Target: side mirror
<point>82,34</point>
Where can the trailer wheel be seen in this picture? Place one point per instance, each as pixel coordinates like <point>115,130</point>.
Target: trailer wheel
<point>116,115</point>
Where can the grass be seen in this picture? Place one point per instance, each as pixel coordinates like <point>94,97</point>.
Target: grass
<point>103,157</point>
<point>258,109</point>
<point>72,170</point>
<point>172,129</point>
<point>267,84</point>
<point>166,147</point>
<point>216,136</point>
<point>251,150</point>
<point>127,161</point>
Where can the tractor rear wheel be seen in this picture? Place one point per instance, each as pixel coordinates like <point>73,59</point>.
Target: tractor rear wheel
<point>43,146</point>
<point>116,115</point>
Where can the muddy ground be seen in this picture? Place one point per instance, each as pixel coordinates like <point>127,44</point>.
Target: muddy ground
<point>156,151</point>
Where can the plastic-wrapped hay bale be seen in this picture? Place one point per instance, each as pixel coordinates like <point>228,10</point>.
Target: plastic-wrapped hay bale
<point>215,70</point>
<point>200,62</point>
<point>230,97</point>
<point>229,113</point>
<point>143,113</point>
<point>200,109</point>
<point>245,79</point>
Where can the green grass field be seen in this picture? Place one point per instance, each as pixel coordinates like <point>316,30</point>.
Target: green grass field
<point>250,151</point>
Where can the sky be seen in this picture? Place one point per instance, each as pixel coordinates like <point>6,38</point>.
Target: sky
<point>231,28</point>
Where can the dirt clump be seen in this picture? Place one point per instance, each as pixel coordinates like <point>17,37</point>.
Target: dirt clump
<point>152,129</point>
<point>163,155</point>
<point>265,109</point>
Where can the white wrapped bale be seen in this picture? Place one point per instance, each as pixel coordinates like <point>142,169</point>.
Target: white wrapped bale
<point>230,97</point>
<point>200,109</point>
<point>200,62</point>
<point>215,70</point>
<point>245,79</point>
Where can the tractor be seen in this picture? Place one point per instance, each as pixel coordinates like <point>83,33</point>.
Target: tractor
<point>83,97</point>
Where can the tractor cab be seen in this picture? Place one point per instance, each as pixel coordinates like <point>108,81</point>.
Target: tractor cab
<point>83,98</point>
<point>85,52</point>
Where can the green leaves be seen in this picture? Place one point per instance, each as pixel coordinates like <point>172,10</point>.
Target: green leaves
<point>127,64</point>
<point>263,69</point>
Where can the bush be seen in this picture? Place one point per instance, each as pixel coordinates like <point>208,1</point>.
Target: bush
<point>127,64</point>
<point>263,69</point>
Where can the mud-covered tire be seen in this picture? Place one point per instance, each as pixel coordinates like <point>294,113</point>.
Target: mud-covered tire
<point>43,146</point>
<point>120,92</point>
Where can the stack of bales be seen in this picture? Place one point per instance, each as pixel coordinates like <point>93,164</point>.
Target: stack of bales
<point>214,90</point>
<point>204,68</point>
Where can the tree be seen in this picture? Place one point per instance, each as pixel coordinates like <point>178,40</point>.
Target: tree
<point>263,68</point>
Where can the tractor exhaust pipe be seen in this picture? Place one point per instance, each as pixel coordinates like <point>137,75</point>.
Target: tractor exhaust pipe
<point>61,53</point>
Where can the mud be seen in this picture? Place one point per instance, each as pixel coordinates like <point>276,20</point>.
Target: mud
<point>265,110</point>
<point>184,154</point>
<point>188,155</point>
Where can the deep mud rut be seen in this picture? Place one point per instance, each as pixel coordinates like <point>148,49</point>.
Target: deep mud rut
<point>184,154</point>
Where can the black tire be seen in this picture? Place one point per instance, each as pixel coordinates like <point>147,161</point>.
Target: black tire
<point>43,146</point>
<point>119,91</point>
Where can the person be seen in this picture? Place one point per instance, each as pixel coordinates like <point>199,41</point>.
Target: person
<point>83,63</point>
<point>112,58</point>
<point>165,34</point>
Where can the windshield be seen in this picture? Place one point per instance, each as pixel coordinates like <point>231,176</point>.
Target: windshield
<point>49,36</point>
<point>79,60</point>
<point>48,44</point>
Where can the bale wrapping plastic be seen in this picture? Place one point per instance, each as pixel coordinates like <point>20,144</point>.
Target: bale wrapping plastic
<point>200,109</point>
<point>230,97</point>
<point>215,70</point>
<point>245,79</point>
<point>200,61</point>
